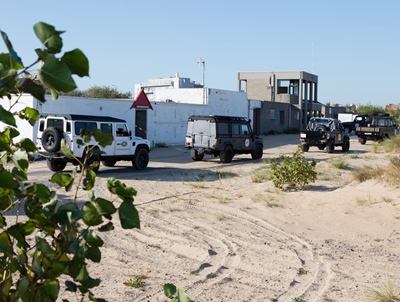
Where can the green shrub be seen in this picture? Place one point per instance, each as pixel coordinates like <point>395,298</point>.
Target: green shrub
<point>295,172</point>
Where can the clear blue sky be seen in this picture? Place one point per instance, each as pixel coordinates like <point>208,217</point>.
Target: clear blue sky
<point>353,46</point>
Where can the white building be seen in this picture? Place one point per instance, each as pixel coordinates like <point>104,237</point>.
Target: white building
<point>165,123</point>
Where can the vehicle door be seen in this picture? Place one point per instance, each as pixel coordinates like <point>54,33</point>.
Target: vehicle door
<point>236,137</point>
<point>246,137</point>
<point>122,139</point>
<point>338,131</point>
<point>108,128</point>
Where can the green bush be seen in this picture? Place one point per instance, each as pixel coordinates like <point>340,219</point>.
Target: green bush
<point>294,172</point>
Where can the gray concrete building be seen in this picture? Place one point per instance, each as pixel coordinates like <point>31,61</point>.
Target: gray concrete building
<point>290,99</point>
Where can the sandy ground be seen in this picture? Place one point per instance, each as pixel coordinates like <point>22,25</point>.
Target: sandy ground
<point>211,230</point>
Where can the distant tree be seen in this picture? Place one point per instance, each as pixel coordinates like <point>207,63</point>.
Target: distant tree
<point>103,92</point>
<point>369,109</point>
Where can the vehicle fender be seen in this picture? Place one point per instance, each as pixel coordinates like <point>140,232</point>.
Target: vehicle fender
<point>226,144</point>
<point>140,146</point>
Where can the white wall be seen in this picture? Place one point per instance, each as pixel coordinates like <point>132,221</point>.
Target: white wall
<point>166,123</point>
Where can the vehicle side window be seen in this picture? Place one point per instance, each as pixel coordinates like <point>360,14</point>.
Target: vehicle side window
<point>235,129</point>
<point>223,129</point>
<point>68,127</point>
<point>91,126</point>
<point>41,125</point>
<point>106,128</point>
<point>245,130</point>
<point>122,130</point>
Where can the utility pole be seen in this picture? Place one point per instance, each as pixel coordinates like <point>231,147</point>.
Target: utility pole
<point>202,63</point>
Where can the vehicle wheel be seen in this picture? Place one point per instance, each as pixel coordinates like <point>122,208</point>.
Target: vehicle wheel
<point>346,145</point>
<point>330,147</point>
<point>305,147</point>
<point>51,139</point>
<point>226,155</point>
<point>362,140</point>
<point>258,152</point>
<point>141,159</point>
<point>196,155</point>
<point>321,147</point>
<point>56,165</point>
<point>92,161</point>
<point>109,162</point>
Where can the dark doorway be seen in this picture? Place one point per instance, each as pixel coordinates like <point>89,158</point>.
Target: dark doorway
<point>141,123</point>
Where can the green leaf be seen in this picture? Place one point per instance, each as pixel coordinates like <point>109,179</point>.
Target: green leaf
<point>27,85</point>
<point>118,188</point>
<point>15,232</point>
<point>105,207</point>
<point>10,48</point>
<point>91,217</point>
<point>5,244</point>
<point>67,212</point>
<point>93,253</point>
<point>7,117</point>
<point>23,289</point>
<point>77,62</point>
<point>66,150</point>
<point>88,179</point>
<point>128,215</point>
<point>92,238</point>
<point>28,145</point>
<point>49,290</point>
<point>103,139</point>
<point>6,59</point>
<point>56,75</point>
<point>20,159</point>
<point>45,248</point>
<point>49,36</point>
<point>62,179</point>
<point>71,286</point>
<point>169,290</point>
<point>2,221</point>
<point>7,180</point>
<point>182,296</point>
<point>5,142</point>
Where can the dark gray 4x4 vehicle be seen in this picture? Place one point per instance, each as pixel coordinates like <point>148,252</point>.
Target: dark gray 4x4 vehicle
<point>222,136</point>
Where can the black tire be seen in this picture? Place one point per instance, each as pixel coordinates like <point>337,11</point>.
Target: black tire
<point>141,159</point>
<point>321,128</point>
<point>51,139</point>
<point>257,152</point>
<point>56,165</point>
<point>362,140</point>
<point>305,147</point>
<point>109,162</point>
<point>226,155</point>
<point>346,144</point>
<point>330,147</point>
<point>196,155</point>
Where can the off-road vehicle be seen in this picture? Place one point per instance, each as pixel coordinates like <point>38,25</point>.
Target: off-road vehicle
<point>324,133</point>
<point>380,127</point>
<point>222,136</point>
<point>53,128</point>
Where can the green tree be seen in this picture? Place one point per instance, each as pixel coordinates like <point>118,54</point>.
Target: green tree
<point>56,239</point>
<point>370,109</point>
<point>105,92</point>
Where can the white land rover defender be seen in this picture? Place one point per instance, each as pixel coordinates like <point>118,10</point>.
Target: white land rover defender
<point>55,127</point>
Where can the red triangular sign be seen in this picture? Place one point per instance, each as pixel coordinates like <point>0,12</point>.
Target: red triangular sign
<point>141,101</point>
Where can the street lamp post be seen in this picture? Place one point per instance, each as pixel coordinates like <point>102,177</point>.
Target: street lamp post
<point>202,63</point>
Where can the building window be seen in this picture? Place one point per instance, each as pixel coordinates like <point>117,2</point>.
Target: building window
<point>296,116</point>
<point>288,87</point>
<point>272,114</point>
